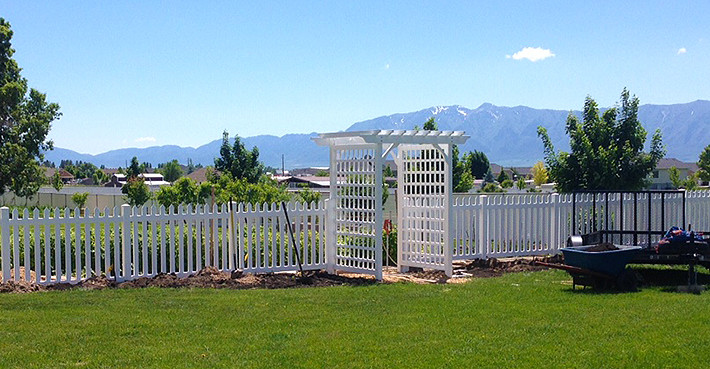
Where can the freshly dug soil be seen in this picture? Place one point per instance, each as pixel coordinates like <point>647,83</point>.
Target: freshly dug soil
<point>485,268</point>
<point>211,277</point>
<point>600,247</point>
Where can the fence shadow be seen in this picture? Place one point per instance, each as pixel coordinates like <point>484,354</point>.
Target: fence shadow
<point>669,279</point>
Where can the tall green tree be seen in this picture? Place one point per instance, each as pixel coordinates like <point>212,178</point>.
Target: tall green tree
<point>25,119</point>
<point>478,164</point>
<point>134,169</point>
<point>461,179</point>
<point>430,125</point>
<point>606,150</point>
<point>502,176</point>
<point>674,176</point>
<point>56,181</point>
<point>171,171</point>
<point>238,161</point>
<point>704,164</point>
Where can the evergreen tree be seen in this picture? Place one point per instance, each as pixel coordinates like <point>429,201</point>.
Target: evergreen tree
<point>478,164</point>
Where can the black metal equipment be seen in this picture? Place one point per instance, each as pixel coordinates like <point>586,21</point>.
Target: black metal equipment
<point>634,230</point>
<point>688,254</point>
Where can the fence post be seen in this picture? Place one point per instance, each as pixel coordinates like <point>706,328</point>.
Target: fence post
<point>448,226</point>
<point>233,234</point>
<point>125,242</point>
<point>483,239</point>
<point>5,229</point>
<point>330,240</point>
<point>555,220</point>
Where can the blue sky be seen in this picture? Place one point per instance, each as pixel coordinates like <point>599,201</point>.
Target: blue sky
<point>145,73</point>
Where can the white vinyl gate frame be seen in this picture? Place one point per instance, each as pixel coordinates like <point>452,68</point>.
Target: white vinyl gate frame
<point>423,159</point>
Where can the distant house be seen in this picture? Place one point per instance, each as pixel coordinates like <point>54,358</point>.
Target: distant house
<point>525,172</point>
<point>307,172</point>
<point>154,179</point>
<point>293,182</point>
<point>63,174</point>
<point>151,179</point>
<point>86,182</point>
<point>117,180</point>
<point>660,177</point>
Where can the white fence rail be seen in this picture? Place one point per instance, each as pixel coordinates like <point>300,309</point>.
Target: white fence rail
<point>125,243</point>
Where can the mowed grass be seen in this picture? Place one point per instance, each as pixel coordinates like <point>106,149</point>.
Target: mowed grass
<point>523,320</point>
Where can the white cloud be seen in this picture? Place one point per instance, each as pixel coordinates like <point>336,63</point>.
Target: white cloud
<point>387,66</point>
<point>145,139</point>
<point>682,50</point>
<point>532,53</point>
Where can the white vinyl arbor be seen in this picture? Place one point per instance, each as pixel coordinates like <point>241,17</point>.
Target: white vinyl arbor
<point>424,190</point>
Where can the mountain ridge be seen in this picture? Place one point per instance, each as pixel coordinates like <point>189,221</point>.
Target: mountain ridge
<point>508,136</point>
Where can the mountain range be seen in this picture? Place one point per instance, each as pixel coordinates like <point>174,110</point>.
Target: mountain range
<point>507,135</point>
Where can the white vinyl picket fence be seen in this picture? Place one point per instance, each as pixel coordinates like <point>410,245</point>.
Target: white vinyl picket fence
<point>125,243</point>
<point>539,224</point>
<point>506,225</point>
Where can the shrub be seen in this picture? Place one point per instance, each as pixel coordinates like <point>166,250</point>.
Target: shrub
<point>79,198</point>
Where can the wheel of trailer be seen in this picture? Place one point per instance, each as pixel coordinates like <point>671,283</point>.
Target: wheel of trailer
<point>626,281</point>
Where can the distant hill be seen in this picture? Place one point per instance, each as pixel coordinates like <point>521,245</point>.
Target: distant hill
<point>508,136</point>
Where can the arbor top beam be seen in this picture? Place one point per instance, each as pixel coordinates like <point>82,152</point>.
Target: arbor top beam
<point>389,136</point>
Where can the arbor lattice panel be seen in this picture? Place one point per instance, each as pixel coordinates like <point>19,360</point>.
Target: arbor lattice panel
<point>356,205</point>
<point>424,213</point>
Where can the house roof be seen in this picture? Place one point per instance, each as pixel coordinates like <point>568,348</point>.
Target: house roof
<point>199,175</point>
<point>668,163</point>
<point>318,181</point>
<point>151,176</point>
<point>49,172</point>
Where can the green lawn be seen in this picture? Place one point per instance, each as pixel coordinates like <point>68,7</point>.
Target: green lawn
<point>530,320</point>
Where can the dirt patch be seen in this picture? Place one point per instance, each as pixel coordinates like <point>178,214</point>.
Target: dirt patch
<point>211,277</point>
<point>601,247</point>
<point>206,278</point>
<point>20,287</point>
<point>23,278</point>
<point>465,270</point>
<point>486,268</point>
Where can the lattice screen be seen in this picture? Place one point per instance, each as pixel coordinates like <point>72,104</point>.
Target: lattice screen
<point>357,202</point>
<point>423,216</point>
